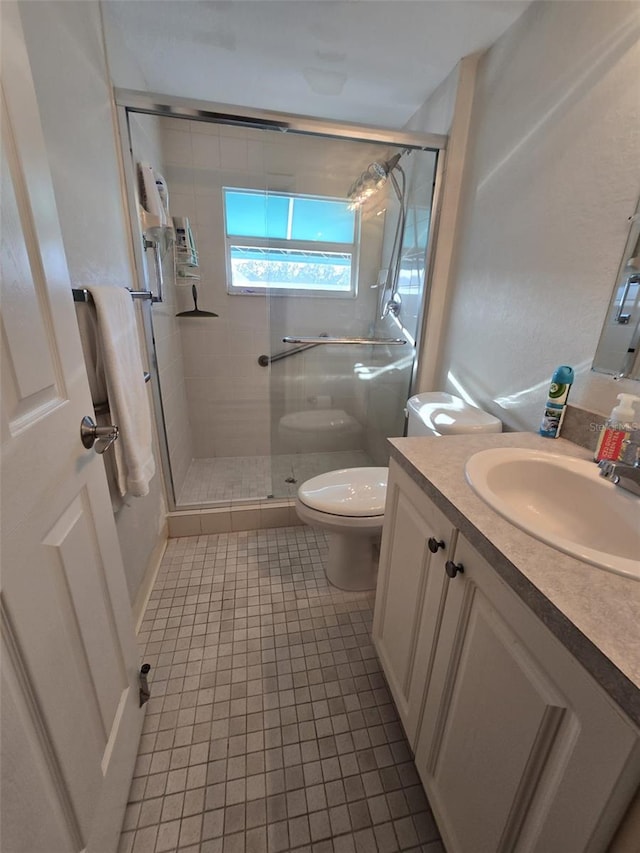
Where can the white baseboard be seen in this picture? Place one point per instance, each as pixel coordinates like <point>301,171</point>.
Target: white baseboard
<point>149,578</point>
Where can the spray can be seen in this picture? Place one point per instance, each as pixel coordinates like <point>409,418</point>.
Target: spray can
<point>556,405</point>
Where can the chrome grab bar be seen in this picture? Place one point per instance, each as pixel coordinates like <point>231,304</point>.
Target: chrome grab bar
<point>316,341</point>
<point>266,360</point>
<point>322,340</point>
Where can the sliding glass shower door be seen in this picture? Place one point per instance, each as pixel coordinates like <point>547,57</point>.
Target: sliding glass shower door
<point>342,352</point>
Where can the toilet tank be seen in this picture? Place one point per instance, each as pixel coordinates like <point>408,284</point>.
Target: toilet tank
<point>437,413</point>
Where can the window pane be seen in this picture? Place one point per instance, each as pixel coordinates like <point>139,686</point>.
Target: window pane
<point>256,214</point>
<point>322,220</point>
<point>254,268</point>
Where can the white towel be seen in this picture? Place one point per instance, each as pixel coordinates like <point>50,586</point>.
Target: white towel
<point>89,338</point>
<point>127,393</point>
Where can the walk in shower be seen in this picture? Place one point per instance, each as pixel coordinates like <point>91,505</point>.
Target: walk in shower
<point>311,246</point>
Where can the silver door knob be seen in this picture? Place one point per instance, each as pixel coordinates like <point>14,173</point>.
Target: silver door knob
<point>102,436</point>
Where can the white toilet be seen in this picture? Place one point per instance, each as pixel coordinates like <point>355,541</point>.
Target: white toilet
<point>349,503</point>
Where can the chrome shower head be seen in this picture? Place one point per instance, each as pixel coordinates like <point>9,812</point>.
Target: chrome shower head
<point>371,180</point>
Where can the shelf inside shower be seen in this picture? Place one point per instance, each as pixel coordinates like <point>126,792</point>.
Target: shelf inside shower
<point>224,479</point>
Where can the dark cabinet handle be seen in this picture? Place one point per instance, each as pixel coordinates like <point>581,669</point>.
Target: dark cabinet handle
<point>452,568</point>
<point>434,544</point>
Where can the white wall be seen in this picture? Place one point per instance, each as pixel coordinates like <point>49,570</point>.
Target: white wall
<point>64,42</point>
<point>436,114</point>
<point>551,182</point>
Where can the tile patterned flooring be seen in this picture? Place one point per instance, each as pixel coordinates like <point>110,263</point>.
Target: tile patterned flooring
<point>227,478</point>
<point>270,726</point>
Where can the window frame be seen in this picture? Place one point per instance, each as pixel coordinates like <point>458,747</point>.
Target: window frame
<point>311,246</point>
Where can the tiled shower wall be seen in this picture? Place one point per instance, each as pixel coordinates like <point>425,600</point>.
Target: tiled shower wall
<point>234,404</point>
<point>145,137</point>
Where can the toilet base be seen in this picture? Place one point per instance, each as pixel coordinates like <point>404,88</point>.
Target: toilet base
<point>354,547</point>
<point>353,562</point>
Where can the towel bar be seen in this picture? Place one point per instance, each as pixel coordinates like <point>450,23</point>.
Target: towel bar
<point>81,294</point>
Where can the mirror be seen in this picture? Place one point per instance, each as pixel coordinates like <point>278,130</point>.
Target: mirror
<point>618,350</point>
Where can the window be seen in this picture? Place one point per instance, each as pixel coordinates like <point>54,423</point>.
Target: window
<point>290,244</point>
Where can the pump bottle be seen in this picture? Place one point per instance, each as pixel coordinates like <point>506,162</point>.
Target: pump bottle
<point>615,436</point>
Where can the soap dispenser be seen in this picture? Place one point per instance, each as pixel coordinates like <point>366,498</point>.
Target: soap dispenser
<point>617,430</point>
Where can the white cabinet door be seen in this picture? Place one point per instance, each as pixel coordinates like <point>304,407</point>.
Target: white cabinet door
<point>410,593</point>
<point>70,710</point>
<point>519,750</point>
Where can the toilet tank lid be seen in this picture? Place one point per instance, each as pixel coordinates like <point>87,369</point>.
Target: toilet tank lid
<point>447,414</point>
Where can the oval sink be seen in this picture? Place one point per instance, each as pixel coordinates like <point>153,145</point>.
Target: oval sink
<point>562,501</point>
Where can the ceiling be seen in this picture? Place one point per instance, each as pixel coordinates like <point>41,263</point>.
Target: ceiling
<point>368,61</point>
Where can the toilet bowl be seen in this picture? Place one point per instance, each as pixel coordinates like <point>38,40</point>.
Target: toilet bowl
<point>319,430</point>
<point>349,503</point>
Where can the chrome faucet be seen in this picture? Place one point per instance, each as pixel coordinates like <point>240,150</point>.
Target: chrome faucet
<point>625,473</point>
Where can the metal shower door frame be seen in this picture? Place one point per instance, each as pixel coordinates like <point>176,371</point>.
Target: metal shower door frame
<point>129,101</point>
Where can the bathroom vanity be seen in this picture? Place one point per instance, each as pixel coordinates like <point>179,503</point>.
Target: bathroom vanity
<point>515,668</point>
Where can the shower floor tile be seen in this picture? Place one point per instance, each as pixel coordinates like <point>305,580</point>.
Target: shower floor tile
<point>270,727</point>
<point>228,478</point>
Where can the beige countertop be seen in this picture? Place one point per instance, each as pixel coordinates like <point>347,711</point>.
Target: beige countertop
<point>593,612</point>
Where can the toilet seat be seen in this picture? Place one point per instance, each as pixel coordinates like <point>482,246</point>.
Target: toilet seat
<point>348,492</point>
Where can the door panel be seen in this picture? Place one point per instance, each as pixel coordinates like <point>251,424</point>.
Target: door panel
<point>411,593</point>
<point>73,546</point>
<point>27,347</point>
<point>498,719</point>
<point>71,716</point>
<point>27,760</point>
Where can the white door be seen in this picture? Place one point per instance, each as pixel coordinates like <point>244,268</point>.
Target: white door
<point>70,712</point>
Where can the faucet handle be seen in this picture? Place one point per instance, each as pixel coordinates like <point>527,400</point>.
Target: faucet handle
<point>621,474</point>
<point>608,470</point>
